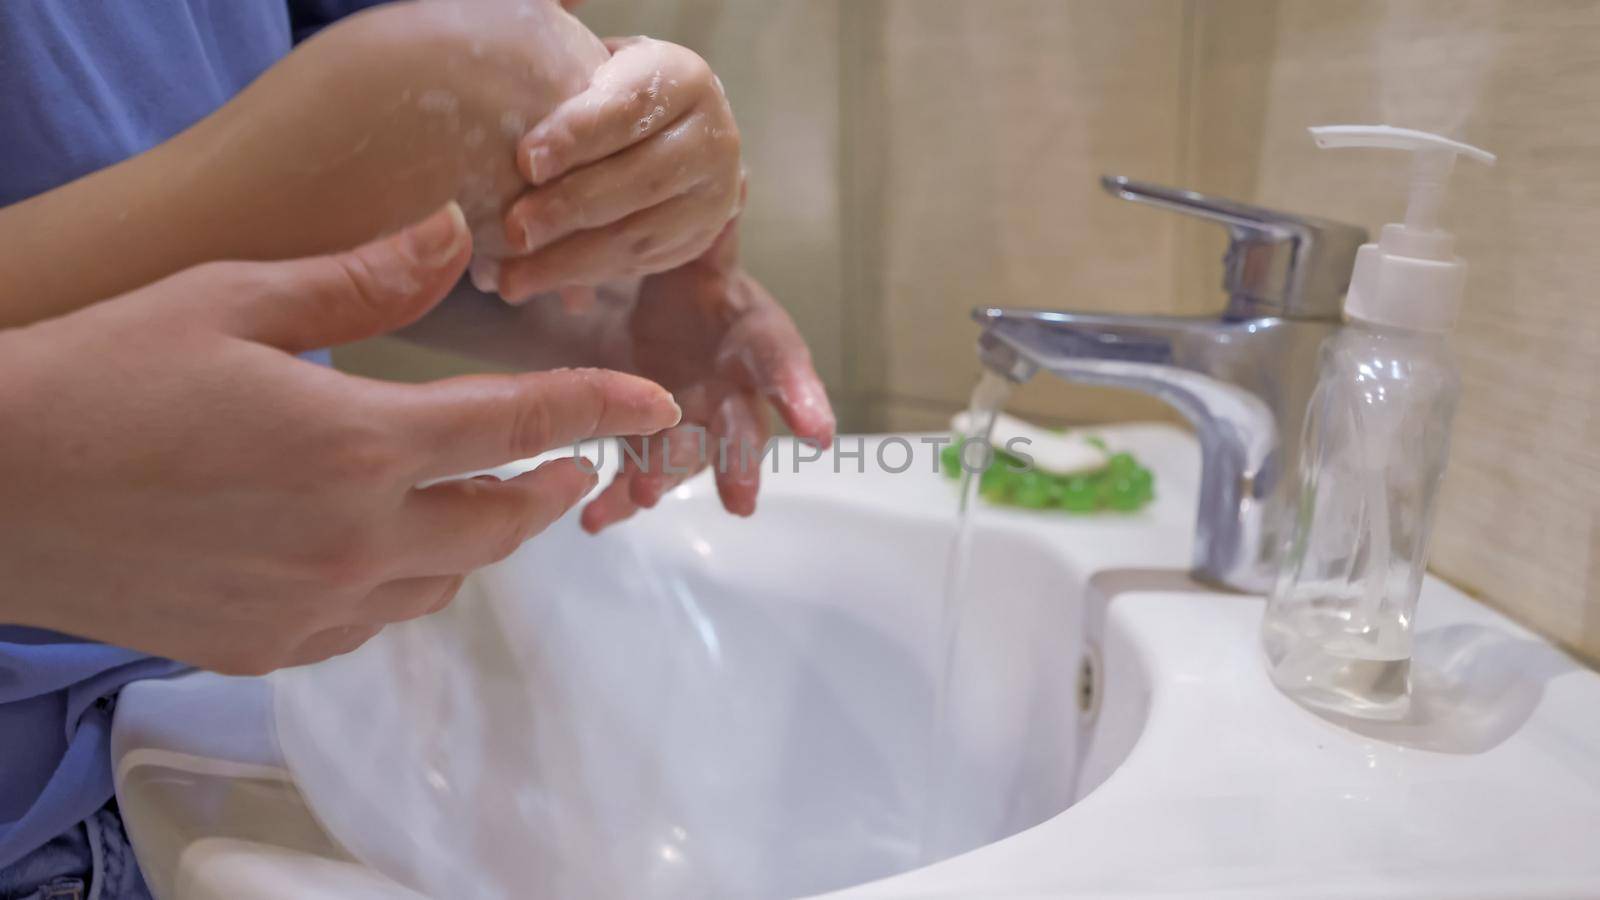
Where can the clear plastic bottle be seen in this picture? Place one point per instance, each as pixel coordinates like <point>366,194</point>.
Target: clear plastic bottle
<point>1337,631</point>
<point>1377,436</point>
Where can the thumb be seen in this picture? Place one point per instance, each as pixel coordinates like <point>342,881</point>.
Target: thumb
<point>324,301</point>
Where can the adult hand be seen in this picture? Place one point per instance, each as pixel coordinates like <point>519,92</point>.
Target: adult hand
<point>719,341</point>
<point>636,175</point>
<point>179,483</point>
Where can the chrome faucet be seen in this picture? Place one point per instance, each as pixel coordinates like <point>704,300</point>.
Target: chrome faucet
<point>1243,379</point>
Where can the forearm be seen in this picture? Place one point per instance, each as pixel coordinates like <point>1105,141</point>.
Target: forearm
<point>98,236</point>
<point>259,179</point>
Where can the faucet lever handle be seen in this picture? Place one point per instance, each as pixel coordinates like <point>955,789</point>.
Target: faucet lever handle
<point>1278,263</point>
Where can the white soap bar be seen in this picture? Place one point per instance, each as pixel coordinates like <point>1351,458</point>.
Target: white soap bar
<point>1059,453</point>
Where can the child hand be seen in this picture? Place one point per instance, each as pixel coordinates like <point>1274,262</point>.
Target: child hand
<point>727,350</point>
<point>636,175</point>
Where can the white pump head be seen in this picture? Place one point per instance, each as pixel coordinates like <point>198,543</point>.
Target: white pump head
<point>1411,278</point>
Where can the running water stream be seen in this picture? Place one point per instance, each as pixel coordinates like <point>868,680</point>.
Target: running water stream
<point>938,836</point>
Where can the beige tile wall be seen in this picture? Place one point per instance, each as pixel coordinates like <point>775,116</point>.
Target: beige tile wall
<point>976,159</point>
<point>1520,517</point>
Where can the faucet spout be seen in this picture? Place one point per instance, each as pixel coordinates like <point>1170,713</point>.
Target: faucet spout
<point>1243,379</point>
<point>1240,383</point>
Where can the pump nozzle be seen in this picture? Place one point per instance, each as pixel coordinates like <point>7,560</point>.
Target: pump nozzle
<point>1329,137</point>
<point>1411,277</point>
<point>1434,157</point>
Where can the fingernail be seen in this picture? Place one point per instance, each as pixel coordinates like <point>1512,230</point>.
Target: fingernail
<point>676,414</point>
<point>541,225</point>
<point>532,235</point>
<point>438,239</point>
<point>538,164</point>
<point>485,274</point>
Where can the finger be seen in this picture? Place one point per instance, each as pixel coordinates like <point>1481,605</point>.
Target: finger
<point>484,273</point>
<point>459,526</point>
<point>797,393</point>
<point>332,642</point>
<point>723,254</point>
<point>409,598</point>
<point>481,421</point>
<point>325,301</point>
<point>767,353</point>
<point>678,454</point>
<point>643,89</point>
<point>636,178</point>
<point>740,427</point>
<point>653,240</point>
<point>615,503</point>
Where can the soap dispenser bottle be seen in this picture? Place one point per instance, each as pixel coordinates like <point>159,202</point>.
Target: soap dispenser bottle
<point>1337,631</point>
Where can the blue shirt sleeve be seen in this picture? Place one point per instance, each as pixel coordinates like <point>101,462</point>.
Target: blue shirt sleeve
<point>307,17</point>
<point>88,84</point>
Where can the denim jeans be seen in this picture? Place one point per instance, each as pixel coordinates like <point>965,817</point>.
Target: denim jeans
<point>92,861</point>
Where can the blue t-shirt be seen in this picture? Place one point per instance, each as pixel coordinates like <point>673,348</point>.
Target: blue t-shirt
<point>87,84</point>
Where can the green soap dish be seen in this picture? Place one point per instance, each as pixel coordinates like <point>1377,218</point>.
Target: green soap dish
<point>1122,485</point>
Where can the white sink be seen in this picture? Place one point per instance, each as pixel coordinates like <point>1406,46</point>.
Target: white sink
<point>699,706</point>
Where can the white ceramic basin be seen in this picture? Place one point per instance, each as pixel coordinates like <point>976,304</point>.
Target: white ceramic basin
<point>693,708</point>
<point>698,706</point>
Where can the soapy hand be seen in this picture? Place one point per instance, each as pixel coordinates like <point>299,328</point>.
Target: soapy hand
<point>189,488</point>
<point>636,175</point>
<point>713,335</point>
